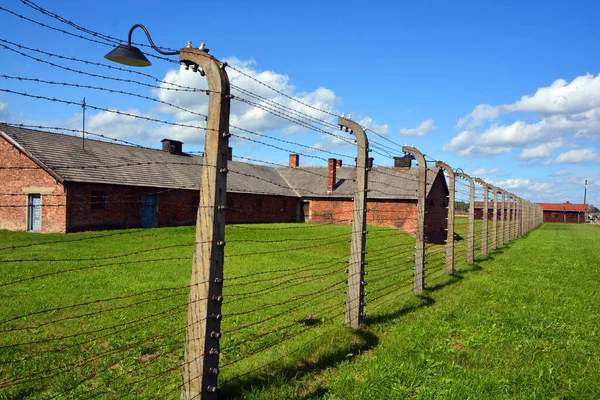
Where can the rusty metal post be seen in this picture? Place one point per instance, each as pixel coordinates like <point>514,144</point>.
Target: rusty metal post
<point>419,275</point>
<point>201,357</point>
<point>471,235</point>
<point>495,219</point>
<point>356,268</point>
<point>450,218</point>
<point>503,206</point>
<point>484,217</point>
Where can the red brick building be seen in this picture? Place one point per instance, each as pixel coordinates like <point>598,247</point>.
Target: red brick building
<point>56,183</point>
<point>565,212</point>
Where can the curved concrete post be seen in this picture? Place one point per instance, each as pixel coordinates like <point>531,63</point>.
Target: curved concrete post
<point>471,235</point>
<point>201,356</point>
<point>356,268</point>
<point>507,234</point>
<point>501,234</point>
<point>508,216</point>
<point>450,228</point>
<point>419,275</point>
<point>484,217</point>
<point>495,219</point>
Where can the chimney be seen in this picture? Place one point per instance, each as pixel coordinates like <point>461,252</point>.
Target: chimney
<point>171,146</point>
<point>370,162</point>
<point>294,160</point>
<point>338,163</point>
<point>229,154</point>
<point>331,175</point>
<point>403,162</point>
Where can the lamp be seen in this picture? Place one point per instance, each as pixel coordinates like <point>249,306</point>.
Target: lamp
<point>131,55</point>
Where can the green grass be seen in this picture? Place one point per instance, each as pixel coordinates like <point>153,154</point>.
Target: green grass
<point>520,323</point>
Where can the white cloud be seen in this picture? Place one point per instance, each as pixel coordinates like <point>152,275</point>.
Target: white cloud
<point>544,150</point>
<point>483,171</point>
<point>259,112</point>
<point>423,129</point>
<point>562,172</point>
<point>564,110</point>
<point>578,156</point>
<point>368,123</point>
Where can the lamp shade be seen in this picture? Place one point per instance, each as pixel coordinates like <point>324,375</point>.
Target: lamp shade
<point>128,55</point>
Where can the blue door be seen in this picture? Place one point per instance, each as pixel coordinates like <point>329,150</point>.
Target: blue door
<point>149,211</point>
<point>34,213</point>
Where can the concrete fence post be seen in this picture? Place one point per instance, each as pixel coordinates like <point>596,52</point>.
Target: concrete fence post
<point>495,219</point>
<point>450,230</point>
<point>203,331</point>
<point>419,274</point>
<point>471,234</point>
<point>484,217</point>
<point>356,268</point>
<point>502,216</point>
<point>508,217</point>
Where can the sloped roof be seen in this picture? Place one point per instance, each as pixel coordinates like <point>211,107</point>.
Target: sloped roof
<point>384,182</point>
<point>111,163</point>
<point>563,207</point>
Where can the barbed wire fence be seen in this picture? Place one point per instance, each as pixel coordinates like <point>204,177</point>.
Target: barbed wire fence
<point>105,314</point>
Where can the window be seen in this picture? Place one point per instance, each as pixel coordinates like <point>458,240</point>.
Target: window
<point>98,200</point>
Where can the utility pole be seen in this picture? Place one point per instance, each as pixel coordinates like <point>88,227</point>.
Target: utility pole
<point>585,193</point>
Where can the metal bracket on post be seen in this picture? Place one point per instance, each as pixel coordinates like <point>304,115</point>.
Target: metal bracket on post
<point>484,216</point>
<point>450,227</point>
<point>201,357</point>
<point>419,275</point>
<point>471,235</point>
<point>356,269</point>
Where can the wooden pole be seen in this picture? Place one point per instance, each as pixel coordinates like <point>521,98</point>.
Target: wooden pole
<point>450,229</point>
<point>201,357</point>
<point>356,268</point>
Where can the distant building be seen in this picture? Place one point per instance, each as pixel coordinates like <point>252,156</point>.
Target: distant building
<point>565,212</point>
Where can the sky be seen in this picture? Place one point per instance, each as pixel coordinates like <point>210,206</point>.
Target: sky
<point>507,91</point>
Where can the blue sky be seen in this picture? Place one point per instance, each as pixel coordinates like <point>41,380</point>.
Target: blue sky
<point>507,91</point>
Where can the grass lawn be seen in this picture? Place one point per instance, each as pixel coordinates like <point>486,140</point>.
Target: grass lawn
<point>102,315</point>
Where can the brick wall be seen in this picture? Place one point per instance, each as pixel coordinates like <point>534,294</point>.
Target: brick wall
<point>399,214</point>
<point>561,216</point>
<point>21,176</point>
<point>123,207</point>
<point>254,208</point>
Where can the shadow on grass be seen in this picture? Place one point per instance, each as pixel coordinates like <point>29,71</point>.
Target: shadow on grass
<point>239,388</point>
<point>424,301</point>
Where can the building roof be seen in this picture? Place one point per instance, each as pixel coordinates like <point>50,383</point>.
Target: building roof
<point>65,157</point>
<point>384,182</point>
<point>563,207</point>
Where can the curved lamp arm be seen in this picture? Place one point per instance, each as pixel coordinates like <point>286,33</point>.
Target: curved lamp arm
<point>166,53</point>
